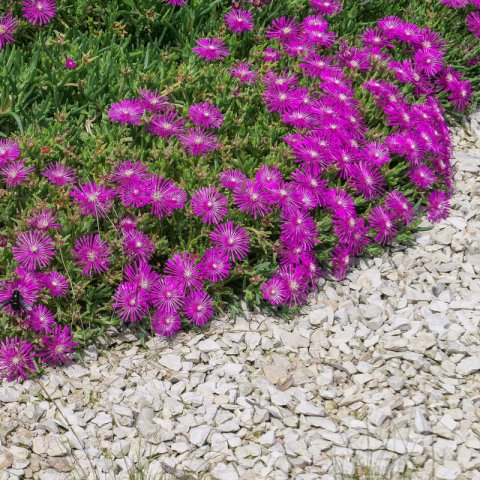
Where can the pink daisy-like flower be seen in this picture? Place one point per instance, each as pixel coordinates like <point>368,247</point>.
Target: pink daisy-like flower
<point>127,224</point>
<point>45,221</point>
<point>251,198</point>
<point>93,199</point>
<point>197,141</point>
<point>455,3</point>
<point>295,282</point>
<point>138,245</point>
<point>271,55</point>
<point>70,63</point>
<point>16,359</point>
<point>242,71</point>
<point>366,180</point>
<point>135,193</point>
<point>142,275</point>
<point>231,178</point>
<point>165,125</point>
<point>9,151</point>
<point>422,176</point>
<point>8,27</point>
<point>92,253</point>
<point>126,111</point>
<point>341,259</point>
<point>208,203</point>
<point>438,206</point>
<point>215,265</point>
<point>383,224</point>
<point>15,173</point>
<point>130,302</point>
<point>231,239</point>
<point>125,172</point>
<point>400,207</point>
<point>28,288</point>
<point>176,3</point>
<point>184,268</point>
<point>166,323</point>
<point>327,7</point>
<point>238,20</point>
<point>168,294</point>
<point>58,347</point>
<point>152,101</point>
<point>461,94</point>
<point>33,250</point>
<point>39,12</point>
<point>428,61</point>
<point>473,23</point>
<point>205,115</point>
<point>275,291</point>
<point>41,319</point>
<point>56,283</point>
<point>59,174</point>
<point>165,197</point>
<point>198,307</point>
<point>211,49</point>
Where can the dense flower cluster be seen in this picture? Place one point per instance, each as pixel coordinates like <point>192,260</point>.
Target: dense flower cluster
<point>36,12</point>
<point>367,150</point>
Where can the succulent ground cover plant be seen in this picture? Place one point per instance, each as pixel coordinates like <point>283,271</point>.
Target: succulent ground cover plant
<point>155,177</point>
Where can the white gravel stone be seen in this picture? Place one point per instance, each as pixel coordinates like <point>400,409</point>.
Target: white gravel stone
<point>208,346</point>
<point>469,365</point>
<point>198,435</point>
<point>307,408</point>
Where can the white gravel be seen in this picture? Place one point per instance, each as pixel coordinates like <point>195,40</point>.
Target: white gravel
<point>381,370</point>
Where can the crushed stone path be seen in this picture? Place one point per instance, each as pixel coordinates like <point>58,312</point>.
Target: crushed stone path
<point>380,374</point>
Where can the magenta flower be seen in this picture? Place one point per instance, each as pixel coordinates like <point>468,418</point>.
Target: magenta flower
<point>295,282</point>
<point>130,302</point>
<point>166,323</point>
<point>198,307</point>
<point>208,203</point>
<point>252,198</point>
<point>59,174</point>
<point>428,61</point>
<point>438,206</point>
<point>215,265</point>
<point>473,24</point>
<point>298,228</point>
<point>92,253</point>
<point>28,288</point>
<point>238,20</point>
<point>275,291</point>
<point>138,245</point>
<point>242,71</point>
<point>400,207</point>
<point>231,178</point>
<point>126,111</point>
<point>351,232</point>
<point>168,294</point>
<point>16,359</point>
<point>367,180</point>
<point>461,94</point>
<point>152,101</point>
<point>39,12</point>
<point>9,151</point>
<point>383,224</point>
<point>124,172</point>
<point>15,173</point>
<point>341,259</point>
<point>327,7</point>
<point>455,3</point>
<point>211,49</point>
<point>197,141</point>
<point>8,27</point>
<point>271,55</point>
<point>176,3</point>
<point>41,319</point>
<point>45,220</point>
<point>142,275</point>
<point>165,125</point>
<point>165,197</point>
<point>184,268</point>
<point>422,176</point>
<point>56,283</point>
<point>127,224</point>
<point>33,250</point>
<point>284,29</point>
<point>135,192</point>
<point>70,63</point>
<point>93,199</point>
<point>205,115</point>
<point>58,347</point>
<point>231,239</point>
